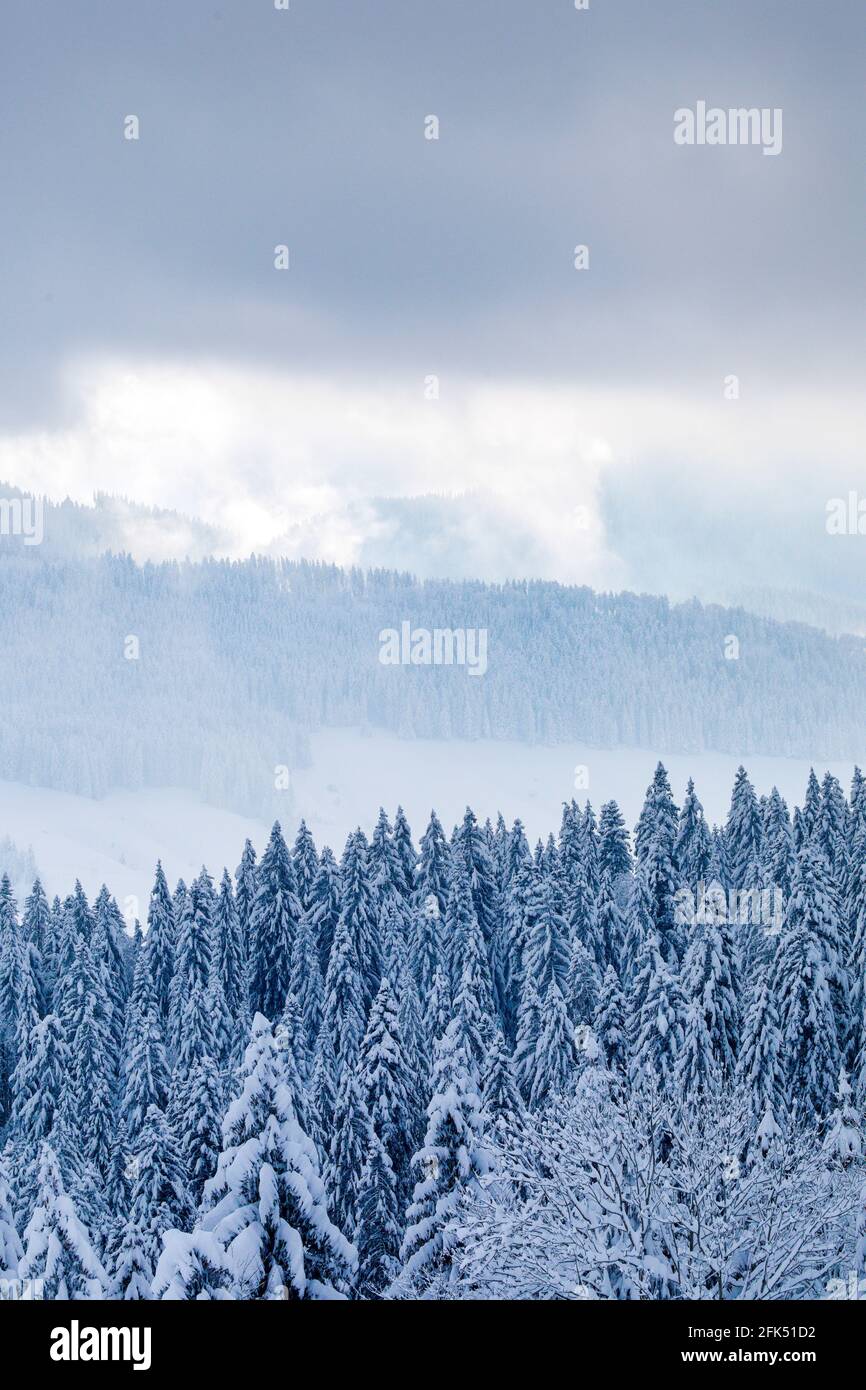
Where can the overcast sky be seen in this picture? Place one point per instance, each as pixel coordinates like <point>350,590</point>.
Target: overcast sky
<point>151,348</point>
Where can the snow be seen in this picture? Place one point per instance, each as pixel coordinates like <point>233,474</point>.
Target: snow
<point>117,840</point>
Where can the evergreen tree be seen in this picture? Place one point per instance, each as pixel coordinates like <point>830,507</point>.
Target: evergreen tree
<point>306,862</point>
<point>273,924</point>
<point>556,1057</point>
<point>325,905</point>
<point>246,887</point>
<point>693,844</point>
<point>160,942</point>
<point>759,1065</point>
<point>344,1011</point>
<point>433,872</point>
<point>805,967</point>
<point>406,852</point>
<point>378,1231</point>
<point>58,1249</point>
<point>349,1144</point>
<point>582,986</point>
<point>266,1203</point>
<point>744,829</point>
<point>359,915</point>
<point>450,1162</point>
<point>11,1249</point>
<point>614,853</point>
<point>227,952</point>
<point>610,1022</point>
<point>387,1086</point>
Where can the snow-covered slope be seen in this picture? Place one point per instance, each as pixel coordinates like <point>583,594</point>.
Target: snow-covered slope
<point>117,840</point>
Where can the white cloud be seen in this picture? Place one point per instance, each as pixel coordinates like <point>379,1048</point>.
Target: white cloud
<point>279,461</point>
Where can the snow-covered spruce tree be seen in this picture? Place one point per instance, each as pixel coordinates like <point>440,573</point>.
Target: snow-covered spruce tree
<point>306,983</point>
<point>433,871</point>
<point>344,1010</point>
<point>546,952</point>
<point>759,1065</point>
<point>502,1103</point>
<point>614,852</point>
<point>693,844</point>
<point>246,886</point>
<point>388,1087</point>
<point>359,916</point>
<point>292,1042</point>
<point>273,923</point>
<point>406,852</point>
<point>658,1017</point>
<point>451,1160</point>
<point>555,1056</point>
<point>57,1246</point>
<point>582,985</point>
<point>471,847</point>
<point>201,1131</point>
<point>609,925</point>
<point>159,943</point>
<point>323,1094</point>
<point>349,1144</point>
<point>655,838</point>
<point>379,1229</point>
<point>145,1068</point>
<point>11,951</point>
<point>306,862</point>
<point>385,865</point>
<point>587,839</point>
<point>710,978</point>
<point>777,843</point>
<point>193,1267</point>
<point>529,1025</point>
<point>805,967</point>
<point>638,923</point>
<point>325,904</point>
<point>227,949</point>
<point>266,1203</point>
<point>160,1201</point>
<point>843,1140</point>
<point>610,1022</point>
<point>192,957</point>
<point>743,830</point>
<point>11,1249</point>
<point>697,1069</point>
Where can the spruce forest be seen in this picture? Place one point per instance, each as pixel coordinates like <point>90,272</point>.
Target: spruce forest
<point>611,1066</point>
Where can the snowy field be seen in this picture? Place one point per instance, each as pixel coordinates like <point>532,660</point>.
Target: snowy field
<point>118,839</point>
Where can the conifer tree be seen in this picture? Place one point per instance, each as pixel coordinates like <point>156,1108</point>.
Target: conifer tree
<point>349,1144</point>
<point>378,1231</point>
<point>306,862</point>
<point>266,1203</point>
<point>451,1161</point>
<point>359,915</point>
<point>610,1022</point>
<point>246,887</point>
<point>406,852</point>
<point>387,1085</point>
<point>160,942</point>
<point>58,1249</point>
<point>325,904</point>
<point>556,1056</point>
<point>273,924</point>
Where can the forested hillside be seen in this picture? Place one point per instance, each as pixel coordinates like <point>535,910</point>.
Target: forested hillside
<point>607,1067</point>
<point>211,676</point>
